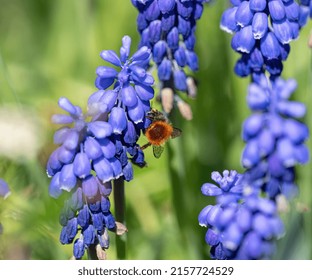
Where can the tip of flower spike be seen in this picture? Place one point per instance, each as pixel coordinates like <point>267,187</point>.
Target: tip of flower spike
<point>125,49</point>
<point>111,57</point>
<point>106,72</point>
<point>67,106</point>
<point>61,119</point>
<point>126,41</point>
<point>210,190</point>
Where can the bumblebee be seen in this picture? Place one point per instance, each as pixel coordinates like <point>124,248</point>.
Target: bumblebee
<point>159,132</point>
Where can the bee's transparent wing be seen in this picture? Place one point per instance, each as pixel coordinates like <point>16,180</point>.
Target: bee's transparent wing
<point>176,132</point>
<point>157,151</point>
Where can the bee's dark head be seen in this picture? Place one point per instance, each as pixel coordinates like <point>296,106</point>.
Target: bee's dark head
<point>155,115</point>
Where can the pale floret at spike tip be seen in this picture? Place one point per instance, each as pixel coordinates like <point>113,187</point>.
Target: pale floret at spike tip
<point>99,146</point>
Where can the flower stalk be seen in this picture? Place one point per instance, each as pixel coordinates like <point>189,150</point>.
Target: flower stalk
<point>120,215</point>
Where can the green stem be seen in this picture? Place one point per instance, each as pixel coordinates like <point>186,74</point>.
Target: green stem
<point>182,193</point>
<point>3,68</point>
<point>119,200</point>
<point>92,252</point>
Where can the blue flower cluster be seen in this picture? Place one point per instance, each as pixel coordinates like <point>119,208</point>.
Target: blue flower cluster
<point>168,28</point>
<point>127,103</point>
<point>4,189</point>
<point>274,135</point>
<point>244,224</point>
<point>305,9</point>
<point>241,225</point>
<point>263,30</point>
<point>83,164</point>
<point>99,146</point>
<point>90,215</point>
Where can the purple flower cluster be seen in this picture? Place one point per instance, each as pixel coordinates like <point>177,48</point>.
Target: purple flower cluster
<point>305,10</point>
<point>91,216</point>
<point>263,30</point>
<point>4,189</point>
<point>241,225</point>
<point>129,99</point>
<point>244,224</point>
<point>83,164</point>
<point>126,105</point>
<point>100,146</point>
<point>167,27</point>
<point>274,136</point>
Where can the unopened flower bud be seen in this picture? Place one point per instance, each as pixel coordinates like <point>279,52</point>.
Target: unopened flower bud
<point>185,110</point>
<point>101,254</point>
<point>167,97</point>
<point>191,87</point>
<point>120,228</point>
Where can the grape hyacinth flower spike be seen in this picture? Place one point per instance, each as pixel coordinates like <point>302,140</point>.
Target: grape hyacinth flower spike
<point>98,147</point>
<point>274,135</point>
<point>128,102</point>
<point>83,165</point>
<point>242,225</point>
<point>168,27</point>
<point>262,33</point>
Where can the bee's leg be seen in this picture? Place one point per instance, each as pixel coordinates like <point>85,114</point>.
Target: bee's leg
<point>145,146</point>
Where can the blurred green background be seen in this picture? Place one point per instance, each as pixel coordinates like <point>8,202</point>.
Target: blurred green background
<point>50,49</point>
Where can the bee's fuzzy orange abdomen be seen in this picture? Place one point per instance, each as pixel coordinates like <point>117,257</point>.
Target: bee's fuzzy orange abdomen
<point>158,132</point>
